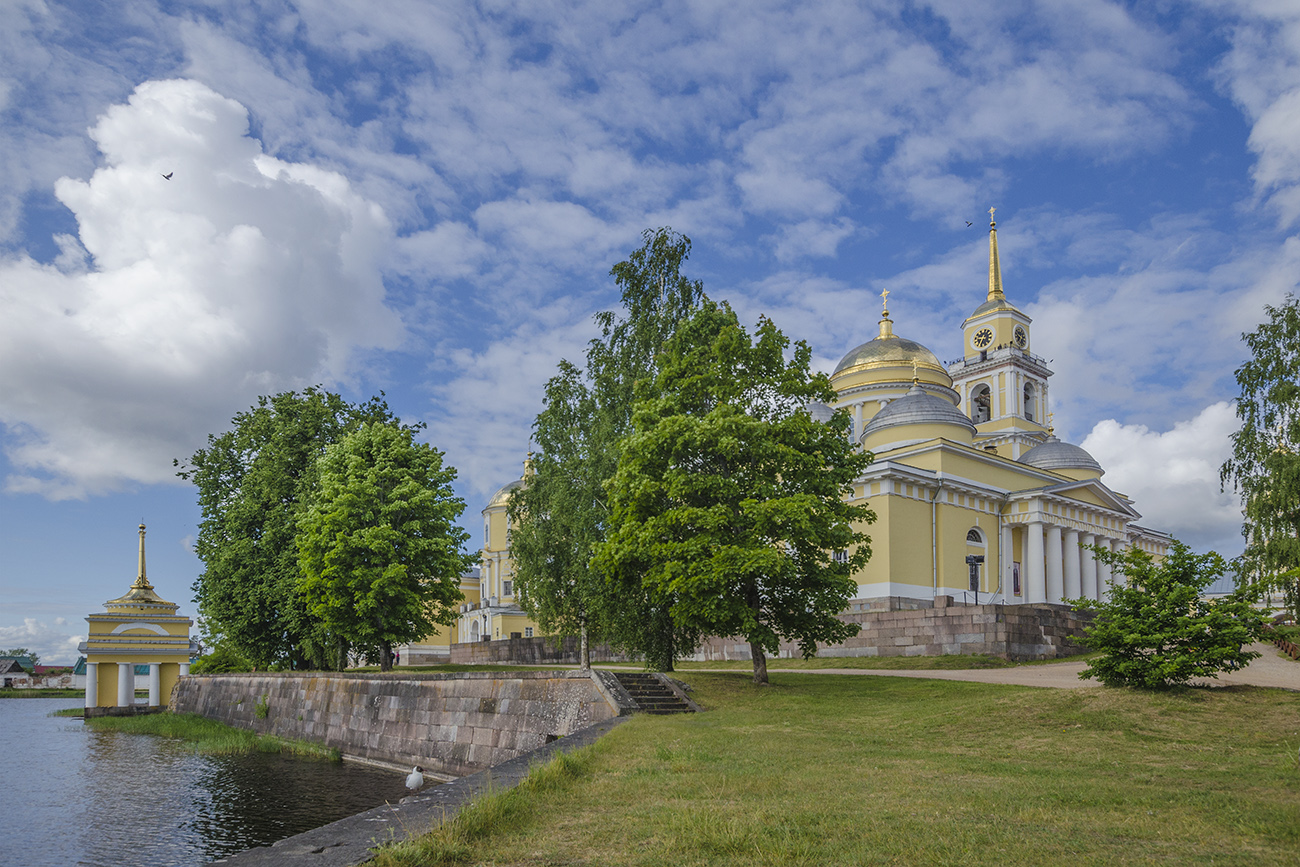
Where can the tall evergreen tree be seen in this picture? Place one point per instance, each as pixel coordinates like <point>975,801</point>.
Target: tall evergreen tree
<point>728,503</point>
<point>561,512</point>
<point>1265,462</point>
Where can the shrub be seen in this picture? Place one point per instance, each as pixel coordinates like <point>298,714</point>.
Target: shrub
<point>1156,631</point>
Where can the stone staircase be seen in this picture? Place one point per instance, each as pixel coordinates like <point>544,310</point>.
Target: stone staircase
<point>651,694</point>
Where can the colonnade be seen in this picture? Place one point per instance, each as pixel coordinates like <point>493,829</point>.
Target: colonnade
<point>1059,562</point>
<point>126,682</point>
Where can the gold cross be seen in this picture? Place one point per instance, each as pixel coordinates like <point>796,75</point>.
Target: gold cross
<point>884,299</point>
<point>991,210</point>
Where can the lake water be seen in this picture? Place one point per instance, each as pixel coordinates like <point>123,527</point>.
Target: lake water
<point>73,796</point>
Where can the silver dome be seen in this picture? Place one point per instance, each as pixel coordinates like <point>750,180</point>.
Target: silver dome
<point>820,412</point>
<point>918,407</point>
<point>1056,455</point>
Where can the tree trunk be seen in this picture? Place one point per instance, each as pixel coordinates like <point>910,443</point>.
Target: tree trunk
<point>385,657</point>
<point>584,650</point>
<point>760,663</point>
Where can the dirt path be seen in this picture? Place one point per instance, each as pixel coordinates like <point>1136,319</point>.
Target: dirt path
<point>1270,669</point>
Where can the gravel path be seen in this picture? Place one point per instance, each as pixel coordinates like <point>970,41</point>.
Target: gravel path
<point>1270,669</point>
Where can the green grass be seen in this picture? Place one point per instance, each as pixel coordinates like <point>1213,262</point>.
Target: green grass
<point>452,667</point>
<point>209,736</point>
<point>42,693</point>
<point>836,771</point>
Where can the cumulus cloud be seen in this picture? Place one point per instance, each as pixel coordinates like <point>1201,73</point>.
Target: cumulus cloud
<point>242,274</point>
<point>1173,475</point>
<point>52,644</point>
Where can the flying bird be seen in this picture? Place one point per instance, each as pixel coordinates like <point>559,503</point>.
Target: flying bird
<point>415,779</point>
<point>168,177</point>
<point>968,222</point>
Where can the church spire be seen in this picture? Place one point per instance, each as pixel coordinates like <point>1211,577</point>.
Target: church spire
<point>995,267</point>
<point>886,324</point>
<point>141,582</point>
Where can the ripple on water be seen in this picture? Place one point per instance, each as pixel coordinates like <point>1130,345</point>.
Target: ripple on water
<point>72,795</point>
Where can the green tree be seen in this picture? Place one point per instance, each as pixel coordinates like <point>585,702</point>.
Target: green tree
<point>728,502</point>
<point>561,513</point>
<point>253,483</point>
<point>1265,462</point>
<point>23,651</point>
<point>379,549</point>
<point>1156,630</point>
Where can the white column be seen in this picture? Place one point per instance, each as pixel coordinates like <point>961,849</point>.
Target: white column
<point>1072,588</point>
<point>185,668</point>
<point>1035,582</point>
<point>92,684</point>
<point>1006,551</point>
<point>1104,572</point>
<point>125,684</point>
<point>1052,553</point>
<point>1089,577</point>
<point>155,683</point>
<point>857,421</point>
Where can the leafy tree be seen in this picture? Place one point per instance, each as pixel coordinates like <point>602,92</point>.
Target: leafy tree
<point>728,500</point>
<point>253,482</point>
<point>221,659</point>
<point>379,548</point>
<point>1265,462</point>
<point>562,511</point>
<point>1156,630</point>
<point>23,651</point>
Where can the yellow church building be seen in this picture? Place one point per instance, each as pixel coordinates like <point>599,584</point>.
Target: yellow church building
<point>976,499</point>
<point>138,628</point>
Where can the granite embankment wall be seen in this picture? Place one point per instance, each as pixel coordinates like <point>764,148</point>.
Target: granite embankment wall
<point>454,724</point>
<point>1009,631</point>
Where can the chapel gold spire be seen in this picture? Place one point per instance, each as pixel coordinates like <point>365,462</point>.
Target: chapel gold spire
<point>141,581</point>
<point>995,267</point>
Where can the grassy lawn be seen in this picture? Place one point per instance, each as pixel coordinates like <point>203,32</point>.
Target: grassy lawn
<point>41,693</point>
<point>209,736</point>
<point>883,663</point>
<point>826,770</point>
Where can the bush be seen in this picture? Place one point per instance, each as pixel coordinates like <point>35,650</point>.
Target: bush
<point>1156,631</point>
<point>222,659</point>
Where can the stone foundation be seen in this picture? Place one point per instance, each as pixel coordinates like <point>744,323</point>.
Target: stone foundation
<point>452,724</point>
<point>538,650</point>
<point>1017,632</point>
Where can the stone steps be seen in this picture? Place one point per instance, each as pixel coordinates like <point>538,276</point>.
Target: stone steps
<point>651,694</point>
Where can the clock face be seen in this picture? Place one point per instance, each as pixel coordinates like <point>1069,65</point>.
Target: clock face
<point>983,338</point>
<point>1021,338</point>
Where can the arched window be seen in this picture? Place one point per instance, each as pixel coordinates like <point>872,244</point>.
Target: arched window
<point>981,404</point>
<point>473,630</point>
<point>1031,394</point>
<point>973,537</point>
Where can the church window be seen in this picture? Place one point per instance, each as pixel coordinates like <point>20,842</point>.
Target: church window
<point>528,632</point>
<point>1030,395</point>
<point>973,537</point>
<point>507,588</point>
<point>841,556</point>
<point>981,404</point>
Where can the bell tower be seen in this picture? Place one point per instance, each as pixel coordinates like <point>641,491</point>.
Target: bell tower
<point>1003,385</point>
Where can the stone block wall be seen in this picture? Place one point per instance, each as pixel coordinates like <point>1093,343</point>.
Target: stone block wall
<point>453,724</point>
<point>538,650</point>
<point>1011,632</point>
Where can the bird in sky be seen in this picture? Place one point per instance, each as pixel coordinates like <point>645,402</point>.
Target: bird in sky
<point>415,779</point>
<point>968,222</point>
<point>168,177</point>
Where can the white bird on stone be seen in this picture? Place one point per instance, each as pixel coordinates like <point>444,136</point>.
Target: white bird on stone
<point>415,779</point>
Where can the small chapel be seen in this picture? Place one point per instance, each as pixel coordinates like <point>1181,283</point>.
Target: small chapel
<point>976,500</point>
<point>139,628</point>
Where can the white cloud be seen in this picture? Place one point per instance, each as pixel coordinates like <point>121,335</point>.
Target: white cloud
<point>241,275</point>
<point>1173,475</point>
<point>52,644</point>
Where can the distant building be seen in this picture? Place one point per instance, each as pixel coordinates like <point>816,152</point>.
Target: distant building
<point>13,674</point>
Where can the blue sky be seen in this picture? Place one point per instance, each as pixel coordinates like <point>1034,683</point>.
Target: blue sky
<point>427,198</point>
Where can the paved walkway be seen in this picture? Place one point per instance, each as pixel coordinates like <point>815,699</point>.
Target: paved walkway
<point>1270,669</point>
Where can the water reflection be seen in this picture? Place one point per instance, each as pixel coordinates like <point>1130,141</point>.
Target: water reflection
<point>133,799</point>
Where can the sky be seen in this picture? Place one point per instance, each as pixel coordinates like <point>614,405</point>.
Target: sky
<point>426,199</point>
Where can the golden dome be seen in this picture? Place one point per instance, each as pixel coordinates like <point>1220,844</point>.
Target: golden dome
<point>889,350</point>
<point>502,497</point>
